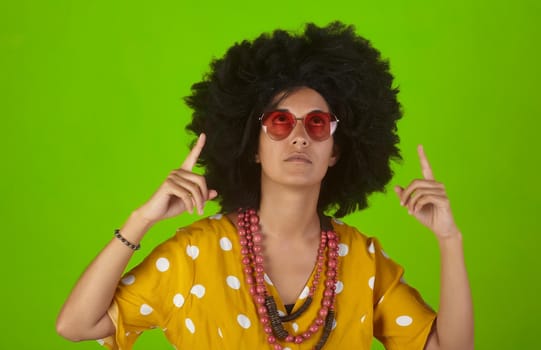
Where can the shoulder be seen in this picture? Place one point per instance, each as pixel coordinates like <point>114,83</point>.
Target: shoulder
<point>206,227</point>
<point>209,233</point>
<point>351,239</point>
<point>199,242</point>
<point>349,234</point>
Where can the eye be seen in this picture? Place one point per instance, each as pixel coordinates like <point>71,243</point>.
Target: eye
<point>318,119</point>
<point>280,118</point>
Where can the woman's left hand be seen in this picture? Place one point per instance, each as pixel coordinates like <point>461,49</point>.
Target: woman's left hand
<point>427,201</point>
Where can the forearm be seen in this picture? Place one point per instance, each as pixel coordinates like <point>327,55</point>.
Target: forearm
<point>92,295</point>
<point>455,317</point>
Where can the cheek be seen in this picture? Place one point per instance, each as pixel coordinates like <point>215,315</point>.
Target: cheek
<point>265,149</point>
<point>328,151</point>
<point>260,144</point>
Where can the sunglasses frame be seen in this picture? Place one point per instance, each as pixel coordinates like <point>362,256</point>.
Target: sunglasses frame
<point>333,124</point>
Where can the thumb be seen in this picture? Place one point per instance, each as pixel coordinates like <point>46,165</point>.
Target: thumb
<point>212,194</point>
<point>398,190</point>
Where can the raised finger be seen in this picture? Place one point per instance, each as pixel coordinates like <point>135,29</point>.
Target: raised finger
<point>192,157</point>
<point>425,165</point>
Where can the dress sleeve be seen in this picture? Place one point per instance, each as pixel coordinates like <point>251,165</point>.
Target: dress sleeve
<point>146,295</point>
<point>402,320</point>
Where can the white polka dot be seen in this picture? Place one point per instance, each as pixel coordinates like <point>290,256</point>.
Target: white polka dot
<point>343,249</point>
<point>128,334</point>
<point>244,321</point>
<point>404,321</point>
<point>363,317</point>
<point>216,216</point>
<point>371,282</point>
<point>162,264</point>
<point>189,324</point>
<point>198,290</point>
<point>339,287</point>
<point>381,299</point>
<point>267,279</point>
<point>334,323</point>
<point>233,282</point>
<point>225,244</point>
<point>384,254</point>
<point>281,313</point>
<point>101,341</point>
<point>371,248</point>
<point>178,300</point>
<point>220,332</point>
<point>295,326</point>
<point>145,309</point>
<point>192,251</point>
<point>304,293</point>
<point>128,280</point>
<point>286,348</point>
<point>339,222</point>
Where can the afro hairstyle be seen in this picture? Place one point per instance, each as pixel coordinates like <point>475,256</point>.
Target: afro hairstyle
<point>341,66</point>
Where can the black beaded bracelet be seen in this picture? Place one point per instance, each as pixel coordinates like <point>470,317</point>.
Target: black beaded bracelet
<point>125,241</point>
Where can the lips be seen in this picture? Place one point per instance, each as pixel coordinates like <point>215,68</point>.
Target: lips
<point>298,157</point>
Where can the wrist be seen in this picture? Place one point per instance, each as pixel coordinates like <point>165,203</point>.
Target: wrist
<point>450,239</point>
<point>135,227</point>
<point>140,220</point>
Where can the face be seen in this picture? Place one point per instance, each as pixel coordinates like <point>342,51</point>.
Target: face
<point>297,159</point>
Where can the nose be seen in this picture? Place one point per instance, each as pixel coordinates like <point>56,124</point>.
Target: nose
<point>300,137</point>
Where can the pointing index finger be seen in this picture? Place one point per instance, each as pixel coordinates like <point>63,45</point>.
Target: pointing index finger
<point>425,165</point>
<point>192,157</point>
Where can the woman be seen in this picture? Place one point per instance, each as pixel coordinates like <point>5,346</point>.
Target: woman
<point>291,127</point>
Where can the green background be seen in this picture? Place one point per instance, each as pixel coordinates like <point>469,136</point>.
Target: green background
<point>92,121</point>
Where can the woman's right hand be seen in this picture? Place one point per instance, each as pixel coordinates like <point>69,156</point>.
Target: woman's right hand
<point>183,190</point>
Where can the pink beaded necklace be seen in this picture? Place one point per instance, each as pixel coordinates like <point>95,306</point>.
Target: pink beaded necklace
<point>252,260</point>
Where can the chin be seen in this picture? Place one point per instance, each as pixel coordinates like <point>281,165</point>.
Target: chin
<point>299,176</point>
<point>301,181</point>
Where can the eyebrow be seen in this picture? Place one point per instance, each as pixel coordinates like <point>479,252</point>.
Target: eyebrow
<point>287,110</point>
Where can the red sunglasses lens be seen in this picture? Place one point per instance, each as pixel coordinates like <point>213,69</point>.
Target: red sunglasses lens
<point>318,125</point>
<point>278,124</point>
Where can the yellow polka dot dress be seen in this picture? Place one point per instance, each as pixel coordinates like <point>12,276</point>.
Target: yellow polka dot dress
<point>192,288</point>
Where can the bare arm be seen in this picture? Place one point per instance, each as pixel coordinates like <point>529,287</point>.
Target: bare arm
<point>454,325</point>
<point>84,314</point>
<point>427,201</point>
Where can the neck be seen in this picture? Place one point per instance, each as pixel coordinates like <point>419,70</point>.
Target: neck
<point>289,213</point>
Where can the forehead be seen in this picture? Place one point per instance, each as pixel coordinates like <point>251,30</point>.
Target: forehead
<point>301,101</point>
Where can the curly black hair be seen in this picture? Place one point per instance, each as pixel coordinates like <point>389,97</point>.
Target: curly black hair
<point>341,66</point>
